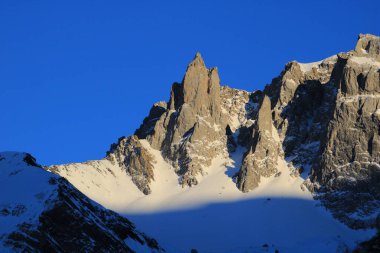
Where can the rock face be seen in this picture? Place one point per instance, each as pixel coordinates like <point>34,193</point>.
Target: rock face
<point>261,159</point>
<point>351,147</point>
<point>327,115</point>
<point>192,130</point>
<point>51,215</point>
<point>349,158</point>
<point>303,97</point>
<point>135,159</point>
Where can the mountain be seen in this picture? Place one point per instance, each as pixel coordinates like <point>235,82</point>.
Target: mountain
<point>217,169</point>
<point>308,141</point>
<point>43,212</point>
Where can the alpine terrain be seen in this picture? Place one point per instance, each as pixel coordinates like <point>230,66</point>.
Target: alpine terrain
<point>292,168</point>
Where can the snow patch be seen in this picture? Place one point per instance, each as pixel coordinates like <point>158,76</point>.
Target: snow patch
<point>306,67</point>
<point>366,61</point>
<point>356,98</point>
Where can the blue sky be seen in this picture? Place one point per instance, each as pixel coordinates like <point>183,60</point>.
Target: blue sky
<point>76,75</point>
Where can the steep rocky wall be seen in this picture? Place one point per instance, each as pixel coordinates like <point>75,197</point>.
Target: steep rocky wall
<point>303,98</point>
<point>328,118</point>
<point>327,115</point>
<point>347,173</point>
<point>351,148</point>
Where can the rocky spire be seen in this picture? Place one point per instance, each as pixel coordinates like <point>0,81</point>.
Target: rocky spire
<point>261,159</point>
<point>264,118</point>
<point>196,85</point>
<point>193,120</point>
<point>199,89</point>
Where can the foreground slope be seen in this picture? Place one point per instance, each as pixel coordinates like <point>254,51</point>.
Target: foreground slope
<point>42,212</point>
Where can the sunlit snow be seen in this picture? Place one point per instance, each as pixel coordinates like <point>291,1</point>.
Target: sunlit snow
<point>215,216</point>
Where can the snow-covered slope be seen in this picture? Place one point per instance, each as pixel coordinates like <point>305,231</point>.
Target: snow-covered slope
<point>42,212</point>
<point>20,199</point>
<point>102,181</point>
<point>215,216</point>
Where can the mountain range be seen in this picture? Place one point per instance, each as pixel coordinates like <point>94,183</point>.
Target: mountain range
<point>292,168</point>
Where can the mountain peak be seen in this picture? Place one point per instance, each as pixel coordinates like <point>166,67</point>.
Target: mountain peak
<point>197,61</point>
<point>200,86</point>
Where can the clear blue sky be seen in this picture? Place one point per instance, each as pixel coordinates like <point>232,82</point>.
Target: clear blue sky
<point>76,75</point>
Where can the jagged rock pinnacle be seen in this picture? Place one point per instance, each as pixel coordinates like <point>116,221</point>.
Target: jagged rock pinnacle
<point>193,117</point>
<point>197,61</point>
<point>261,160</point>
